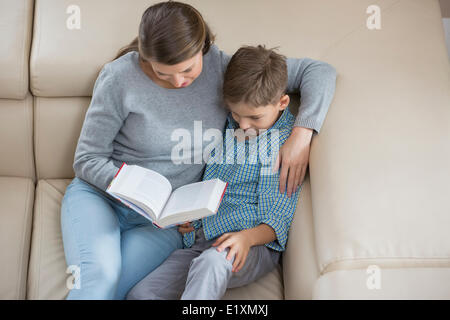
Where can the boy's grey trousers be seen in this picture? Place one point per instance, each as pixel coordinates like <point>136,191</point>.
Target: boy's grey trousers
<point>201,272</point>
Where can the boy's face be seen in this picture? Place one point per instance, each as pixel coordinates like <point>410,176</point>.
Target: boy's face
<point>262,117</point>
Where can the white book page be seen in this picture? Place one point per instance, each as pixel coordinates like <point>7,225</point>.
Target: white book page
<point>145,185</point>
<point>215,197</point>
<point>148,215</point>
<point>194,196</point>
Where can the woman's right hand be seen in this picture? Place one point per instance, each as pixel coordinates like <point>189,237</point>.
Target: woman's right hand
<point>185,228</point>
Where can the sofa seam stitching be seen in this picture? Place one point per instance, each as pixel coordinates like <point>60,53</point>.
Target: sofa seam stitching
<point>379,257</point>
<point>37,282</point>
<point>22,243</point>
<point>327,50</point>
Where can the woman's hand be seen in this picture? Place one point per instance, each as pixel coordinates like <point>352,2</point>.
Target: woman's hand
<point>294,158</point>
<point>185,228</point>
<point>239,244</point>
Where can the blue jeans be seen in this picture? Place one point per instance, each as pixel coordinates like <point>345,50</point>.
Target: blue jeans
<point>111,246</point>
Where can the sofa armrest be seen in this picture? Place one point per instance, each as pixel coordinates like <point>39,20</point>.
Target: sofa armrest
<point>300,269</point>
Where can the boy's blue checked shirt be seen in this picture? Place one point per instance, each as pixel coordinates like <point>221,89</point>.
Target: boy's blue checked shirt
<point>252,196</point>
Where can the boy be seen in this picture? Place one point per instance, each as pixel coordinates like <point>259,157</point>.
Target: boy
<point>244,239</point>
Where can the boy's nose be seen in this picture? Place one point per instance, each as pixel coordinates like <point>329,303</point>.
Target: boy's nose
<point>244,125</point>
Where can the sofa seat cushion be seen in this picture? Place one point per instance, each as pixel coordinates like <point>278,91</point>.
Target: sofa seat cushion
<point>374,283</point>
<point>16,198</point>
<point>47,276</point>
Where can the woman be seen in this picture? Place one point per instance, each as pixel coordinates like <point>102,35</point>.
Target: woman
<point>169,78</point>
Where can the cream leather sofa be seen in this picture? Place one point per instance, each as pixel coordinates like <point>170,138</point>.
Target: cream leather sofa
<point>373,218</point>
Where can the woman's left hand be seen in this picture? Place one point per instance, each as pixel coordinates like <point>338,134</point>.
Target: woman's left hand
<point>294,158</point>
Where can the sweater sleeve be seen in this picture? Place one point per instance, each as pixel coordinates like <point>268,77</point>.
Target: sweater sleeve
<point>103,120</point>
<point>222,57</point>
<point>315,81</point>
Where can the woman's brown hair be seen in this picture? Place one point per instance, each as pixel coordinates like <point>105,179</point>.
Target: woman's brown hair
<point>170,32</point>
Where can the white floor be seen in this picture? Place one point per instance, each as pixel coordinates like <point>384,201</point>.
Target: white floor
<point>446,22</point>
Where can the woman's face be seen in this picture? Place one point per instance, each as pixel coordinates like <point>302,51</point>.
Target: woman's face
<point>178,75</point>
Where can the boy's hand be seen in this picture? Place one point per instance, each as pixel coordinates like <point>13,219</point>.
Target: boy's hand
<point>239,244</point>
<point>294,157</point>
<point>185,228</point>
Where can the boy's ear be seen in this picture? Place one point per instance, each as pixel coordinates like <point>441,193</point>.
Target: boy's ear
<point>284,102</point>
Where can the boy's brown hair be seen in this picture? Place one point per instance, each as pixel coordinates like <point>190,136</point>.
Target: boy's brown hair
<point>256,76</point>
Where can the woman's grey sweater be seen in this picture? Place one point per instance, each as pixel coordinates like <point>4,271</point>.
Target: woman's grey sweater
<point>132,119</point>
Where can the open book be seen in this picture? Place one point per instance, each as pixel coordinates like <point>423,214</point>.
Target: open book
<point>149,193</point>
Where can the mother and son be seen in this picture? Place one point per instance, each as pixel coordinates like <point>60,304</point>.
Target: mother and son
<point>171,75</point>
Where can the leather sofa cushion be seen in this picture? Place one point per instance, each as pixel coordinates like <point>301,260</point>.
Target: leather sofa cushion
<point>16,138</point>
<point>392,284</point>
<point>300,269</point>
<point>65,62</point>
<point>380,166</point>
<point>16,208</point>
<point>16,19</point>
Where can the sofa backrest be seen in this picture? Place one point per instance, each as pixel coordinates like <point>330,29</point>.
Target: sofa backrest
<point>16,103</point>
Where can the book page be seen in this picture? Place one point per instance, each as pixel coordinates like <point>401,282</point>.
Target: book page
<point>136,208</point>
<point>193,197</point>
<point>144,185</point>
<point>216,198</point>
